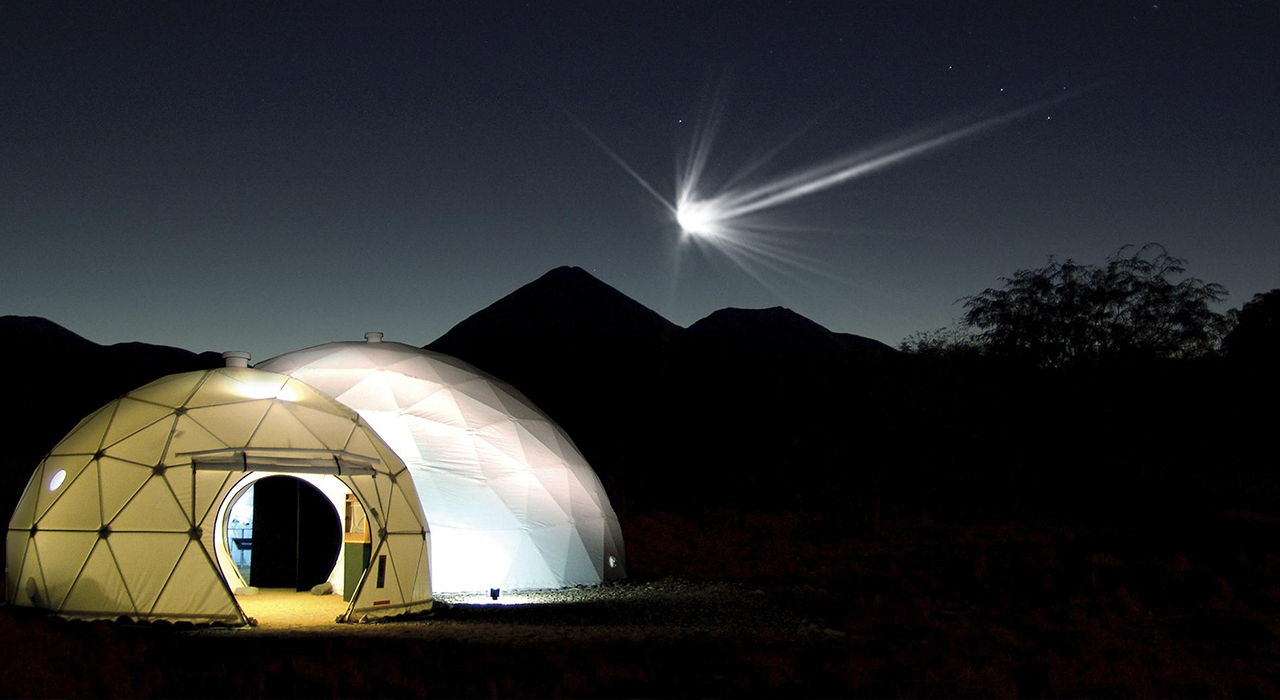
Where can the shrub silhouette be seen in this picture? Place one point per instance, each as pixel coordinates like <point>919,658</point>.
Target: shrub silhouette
<point>1256,335</point>
<point>1065,314</point>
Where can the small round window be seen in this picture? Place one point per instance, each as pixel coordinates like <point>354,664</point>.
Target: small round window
<point>56,480</point>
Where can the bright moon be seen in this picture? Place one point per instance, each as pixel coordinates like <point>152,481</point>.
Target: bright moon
<point>698,219</point>
<point>728,219</point>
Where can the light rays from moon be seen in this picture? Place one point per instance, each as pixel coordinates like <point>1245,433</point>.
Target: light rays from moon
<point>723,211</point>
<point>732,219</point>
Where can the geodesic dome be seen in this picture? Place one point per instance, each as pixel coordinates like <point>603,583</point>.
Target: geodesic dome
<point>511,501</point>
<point>119,519</point>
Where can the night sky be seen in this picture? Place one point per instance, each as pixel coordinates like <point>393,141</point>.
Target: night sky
<point>268,177</point>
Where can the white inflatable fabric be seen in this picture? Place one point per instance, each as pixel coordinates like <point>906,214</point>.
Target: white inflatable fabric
<point>511,501</point>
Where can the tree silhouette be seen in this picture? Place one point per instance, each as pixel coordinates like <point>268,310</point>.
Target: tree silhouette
<point>1068,314</point>
<point>1256,336</point>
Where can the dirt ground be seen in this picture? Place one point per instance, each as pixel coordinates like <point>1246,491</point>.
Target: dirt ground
<point>282,609</point>
<point>741,604</point>
<point>669,636</point>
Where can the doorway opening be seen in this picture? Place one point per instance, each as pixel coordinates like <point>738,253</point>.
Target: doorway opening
<point>283,532</point>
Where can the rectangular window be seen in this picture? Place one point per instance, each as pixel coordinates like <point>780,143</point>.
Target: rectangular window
<point>357,527</point>
<point>382,570</point>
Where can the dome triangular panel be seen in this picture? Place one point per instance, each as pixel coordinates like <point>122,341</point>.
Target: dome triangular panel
<point>418,368</point>
<point>231,386</point>
<point>439,407</point>
<point>146,560</point>
<point>77,507</point>
<point>530,565</point>
<point>145,447</point>
<point>232,423</point>
<point>132,416</point>
<point>408,391</point>
<point>338,381</point>
<point>406,551</point>
<point>153,508</point>
<point>31,588</point>
<point>120,481</point>
<point>518,408</point>
<point>535,450</point>
<point>452,370</point>
<point>19,542</point>
<point>86,438</point>
<point>52,485</point>
<point>483,391</point>
<point>189,437</point>
<point>477,414</point>
<point>99,589</point>
<point>279,428</point>
<point>171,391</point>
<point>62,556</point>
<point>351,356</point>
<point>193,586</point>
<point>333,431</point>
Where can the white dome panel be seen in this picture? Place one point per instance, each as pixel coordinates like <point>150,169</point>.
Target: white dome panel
<point>511,501</point>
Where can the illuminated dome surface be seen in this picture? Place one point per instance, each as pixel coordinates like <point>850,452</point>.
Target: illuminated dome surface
<point>511,501</point>
<point>120,519</point>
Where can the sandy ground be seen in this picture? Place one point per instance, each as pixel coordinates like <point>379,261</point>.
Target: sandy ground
<point>921,610</point>
<point>283,609</point>
<point>652,638</point>
<point>671,607</point>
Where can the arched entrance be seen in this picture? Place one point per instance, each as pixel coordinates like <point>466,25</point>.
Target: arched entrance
<point>366,578</point>
<point>283,532</point>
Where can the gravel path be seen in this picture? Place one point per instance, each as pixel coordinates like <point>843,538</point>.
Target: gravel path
<point>667,607</point>
<point>664,637</point>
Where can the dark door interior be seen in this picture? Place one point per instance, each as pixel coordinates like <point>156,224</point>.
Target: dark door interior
<point>296,534</point>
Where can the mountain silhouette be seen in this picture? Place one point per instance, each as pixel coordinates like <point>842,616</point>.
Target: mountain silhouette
<point>652,404</point>
<point>766,409</point>
<point>776,340</point>
<point>58,377</point>
<point>760,408</point>
<point>566,318</point>
<point>591,357</point>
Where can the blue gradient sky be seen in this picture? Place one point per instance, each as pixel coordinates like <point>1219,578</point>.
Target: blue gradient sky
<point>268,176</point>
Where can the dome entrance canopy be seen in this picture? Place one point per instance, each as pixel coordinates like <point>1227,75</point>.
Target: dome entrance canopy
<point>282,460</point>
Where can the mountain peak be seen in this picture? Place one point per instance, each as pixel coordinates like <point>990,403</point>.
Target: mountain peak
<point>563,339</point>
<point>561,313</point>
<point>565,299</point>
<point>580,289</point>
<point>773,316</point>
<point>777,329</point>
<point>569,273</point>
